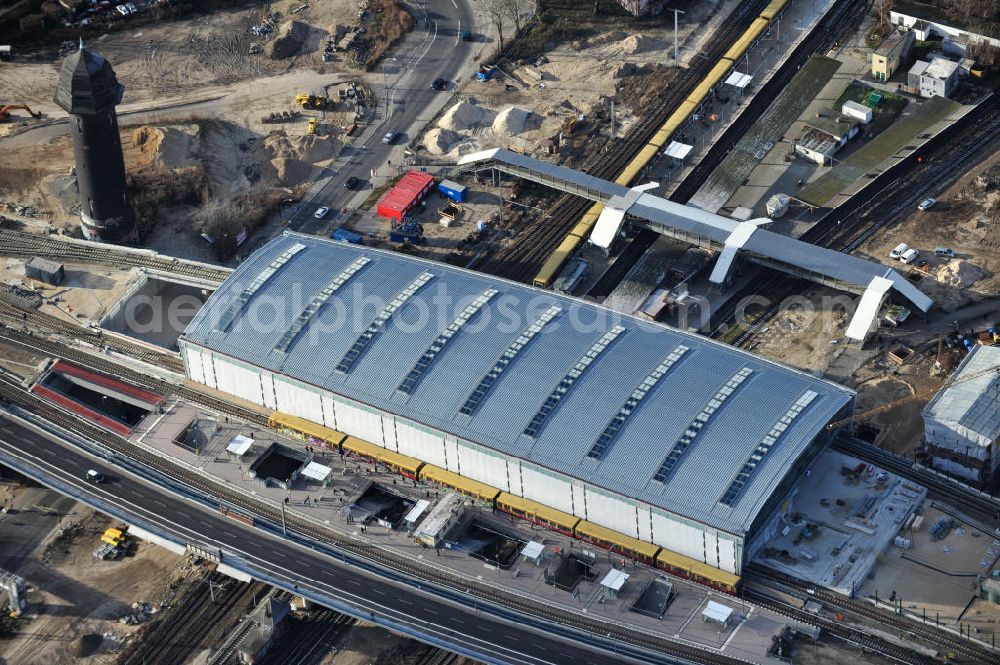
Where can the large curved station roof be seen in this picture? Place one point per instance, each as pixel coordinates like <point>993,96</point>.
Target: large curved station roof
<point>640,409</point>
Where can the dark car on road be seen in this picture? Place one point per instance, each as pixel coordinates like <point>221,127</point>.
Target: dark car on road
<point>352,183</point>
<point>439,84</point>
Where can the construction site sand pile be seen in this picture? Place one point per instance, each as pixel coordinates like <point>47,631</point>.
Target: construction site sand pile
<point>305,148</point>
<point>511,121</point>
<point>439,141</point>
<point>290,172</point>
<point>636,43</point>
<point>464,116</point>
<point>959,273</point>
<point>169,147</point>
<point>289,40</point>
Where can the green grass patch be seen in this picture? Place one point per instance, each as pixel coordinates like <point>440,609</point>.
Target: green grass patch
<point>876,151</point>
<point>377,192</point>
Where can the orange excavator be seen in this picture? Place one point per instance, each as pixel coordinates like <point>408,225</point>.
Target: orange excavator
<point>5,110</point>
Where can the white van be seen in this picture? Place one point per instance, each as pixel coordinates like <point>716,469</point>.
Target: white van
<point>910,256</point>
<point>95,477</point>
<point>899,250</point>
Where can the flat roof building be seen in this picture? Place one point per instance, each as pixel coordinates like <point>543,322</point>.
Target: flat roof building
<point>962,422</point>
<point>659,434</point>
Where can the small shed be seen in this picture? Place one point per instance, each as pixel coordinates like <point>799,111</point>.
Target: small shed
<point>418,510</point>
<point>613,582</point>
<point>533,552</point>
<point>45,270</point>
<point>857,111</point>
<point>453,190</point>
<point>239,446</point>
<point>717,613</point>
<point>317,472</point>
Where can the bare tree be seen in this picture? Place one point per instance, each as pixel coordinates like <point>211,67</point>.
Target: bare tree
<point>519,11</point>
<point>496,15</point>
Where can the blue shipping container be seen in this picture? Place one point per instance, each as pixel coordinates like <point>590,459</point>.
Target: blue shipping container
<point>453,190</point>
<point>343,235</point>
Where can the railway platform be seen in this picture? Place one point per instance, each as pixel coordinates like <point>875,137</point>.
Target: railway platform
<point>350,490</point>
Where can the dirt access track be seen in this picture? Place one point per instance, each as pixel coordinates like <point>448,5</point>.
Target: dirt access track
<point>174,65</point>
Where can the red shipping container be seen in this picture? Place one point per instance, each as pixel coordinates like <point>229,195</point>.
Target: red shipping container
<point>404,197</point>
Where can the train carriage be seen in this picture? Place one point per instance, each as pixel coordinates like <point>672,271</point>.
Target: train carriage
<point>304,429</point>
<point>619,543</point>
<point>467,486</point>
<point>743,44</point>
<point>401,464</point>
<point>537,513</point>
<point>696,571</point>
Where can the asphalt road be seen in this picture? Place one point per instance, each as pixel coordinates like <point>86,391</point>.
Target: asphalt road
<point>434,49</point>
<point>64,466</point>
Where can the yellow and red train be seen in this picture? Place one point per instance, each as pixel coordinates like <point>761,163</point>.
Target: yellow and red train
<point>677,120</point>
<point>519,507</point>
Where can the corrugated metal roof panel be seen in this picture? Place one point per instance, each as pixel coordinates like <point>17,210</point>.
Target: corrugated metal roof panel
<point>699,480</point>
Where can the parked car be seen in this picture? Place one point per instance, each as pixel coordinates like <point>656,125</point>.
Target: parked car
<point>390,136</point>
<point>899,250</point>
<point>910,256</point>
<point>944,251</point>
<point>352,183</point>
<point>122,9</point>
<point>95,477</point>
<point>926,203</point>
<point>321,212</point>
<point>439,84</point>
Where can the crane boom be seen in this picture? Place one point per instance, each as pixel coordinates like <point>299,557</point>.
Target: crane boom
<point>995,369</point>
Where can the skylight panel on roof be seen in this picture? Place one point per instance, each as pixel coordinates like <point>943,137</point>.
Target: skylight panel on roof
<point>607,437</point>
<point>414,375</point>
<point>489,380</point>
<point>318,301</point>
<point>694,429</point>
<point>551,402</point>
<point>359,346</point>
<point>267,273</point>
<point>764,447</point>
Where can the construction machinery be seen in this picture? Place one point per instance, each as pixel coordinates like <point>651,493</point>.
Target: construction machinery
<point>311,129</point>
<point>114,543</point>
<point>314,102</point>
<point>5,111</point>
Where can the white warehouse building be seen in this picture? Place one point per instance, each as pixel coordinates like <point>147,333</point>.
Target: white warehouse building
<point>659,434</point>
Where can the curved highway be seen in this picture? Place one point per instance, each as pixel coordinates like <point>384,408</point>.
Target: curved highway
<point>294,567</point>
<point>433,50</point>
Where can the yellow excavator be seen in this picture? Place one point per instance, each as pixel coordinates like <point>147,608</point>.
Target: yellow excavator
<point>313,102</point>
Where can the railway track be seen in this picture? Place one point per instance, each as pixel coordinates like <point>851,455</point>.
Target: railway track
<point>358,553</point>
<point>94,336</point>
<point>16,243</point>
<point>827,31</point>
<point>876,207</point>
<point>521,259</point>
<point>191,620</point>
<point>311,640</point>
<point>866,642</point>
<point>972,503</point>
<point>128,375</point>
<point>951,645</point>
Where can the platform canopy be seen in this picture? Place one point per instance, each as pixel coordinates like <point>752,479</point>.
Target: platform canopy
<point>532,550</point>
<point>615,579</point>
<point>717,612</point>
<point>316,471</point>
<point>240,445</point>
<point>418,509</point>
<point>678,150</point>
<point>739,80</point>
